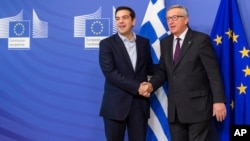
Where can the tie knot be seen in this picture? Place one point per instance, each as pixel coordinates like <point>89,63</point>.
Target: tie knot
<point>178,39</point>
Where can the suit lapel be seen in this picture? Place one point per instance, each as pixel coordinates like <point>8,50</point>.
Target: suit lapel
<point>139,51</point>
<point>121,45</point>
<point>171,55</point>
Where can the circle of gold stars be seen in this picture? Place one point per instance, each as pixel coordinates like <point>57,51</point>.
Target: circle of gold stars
<point>19,25</point>
<point>97,23</point>
<point>233,38</point>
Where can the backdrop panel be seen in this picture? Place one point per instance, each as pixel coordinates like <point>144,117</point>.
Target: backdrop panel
<point>50,81</point>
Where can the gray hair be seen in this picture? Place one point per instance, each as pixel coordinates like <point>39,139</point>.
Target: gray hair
<point>183,9</point>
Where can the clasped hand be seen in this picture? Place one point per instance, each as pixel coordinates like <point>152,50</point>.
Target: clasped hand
<point>145,89</point>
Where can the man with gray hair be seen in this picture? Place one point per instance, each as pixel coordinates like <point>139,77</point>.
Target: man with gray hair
<point>195,88</point>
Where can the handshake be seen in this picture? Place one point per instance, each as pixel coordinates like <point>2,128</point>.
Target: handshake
<point>145,89</point>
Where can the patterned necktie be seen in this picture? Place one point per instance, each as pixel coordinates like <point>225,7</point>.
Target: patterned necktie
<point>177,49</point>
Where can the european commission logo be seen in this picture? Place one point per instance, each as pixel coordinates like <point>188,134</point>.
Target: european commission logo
<point>93,28</point>
<point>19,34</point>
<point>97,27</point>
<point>96,30</point>
<point>19,29</point>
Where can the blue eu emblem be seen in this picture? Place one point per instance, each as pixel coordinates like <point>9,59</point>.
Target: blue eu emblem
<point>97,27</point>
<point>19,29</point>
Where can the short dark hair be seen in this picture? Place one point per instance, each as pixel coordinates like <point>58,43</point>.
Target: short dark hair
<point>132,12</point>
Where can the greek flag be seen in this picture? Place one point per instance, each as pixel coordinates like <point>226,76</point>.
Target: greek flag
<point>154,28</point>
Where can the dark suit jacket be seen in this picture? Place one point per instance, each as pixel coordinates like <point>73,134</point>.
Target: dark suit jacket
<point>121,80</point>
<point>194,83</point>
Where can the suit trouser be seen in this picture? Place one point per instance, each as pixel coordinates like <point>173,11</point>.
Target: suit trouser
<point>190,131</point>
<point>135,123</point>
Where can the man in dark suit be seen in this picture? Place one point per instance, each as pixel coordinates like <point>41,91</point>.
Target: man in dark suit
<point>125,61</point>
<point>195,87</point>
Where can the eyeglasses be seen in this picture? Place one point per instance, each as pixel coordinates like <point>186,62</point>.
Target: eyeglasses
<point>174,18</point>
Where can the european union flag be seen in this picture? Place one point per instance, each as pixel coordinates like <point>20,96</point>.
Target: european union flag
<point>97,27</point>
<point>232,51</point>
<point>19,29</point>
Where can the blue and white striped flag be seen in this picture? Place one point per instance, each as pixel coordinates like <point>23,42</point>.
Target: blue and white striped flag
<point>154,28</point>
